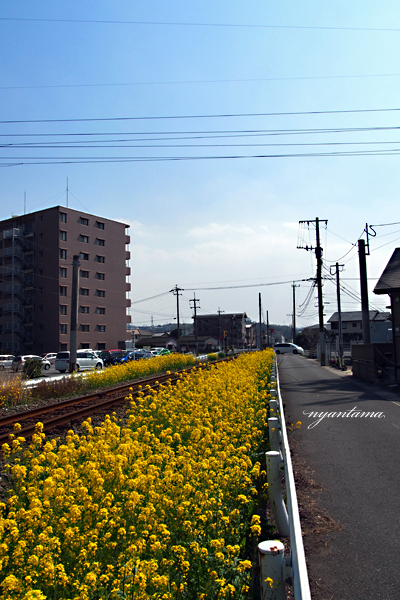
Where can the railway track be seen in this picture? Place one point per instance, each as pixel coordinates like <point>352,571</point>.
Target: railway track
<point>67,411</point>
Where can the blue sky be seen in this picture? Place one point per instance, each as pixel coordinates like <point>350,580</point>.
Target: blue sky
<point>210,222</point>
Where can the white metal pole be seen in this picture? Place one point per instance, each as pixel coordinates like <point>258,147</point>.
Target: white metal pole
<point>275,492</point>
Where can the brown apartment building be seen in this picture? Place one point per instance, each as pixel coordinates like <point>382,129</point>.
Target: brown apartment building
<point>36,253</point>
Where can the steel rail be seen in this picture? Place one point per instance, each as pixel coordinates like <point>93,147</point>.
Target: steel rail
<point>26,414</point>
<point>136,386</point>
<point>76,414</point>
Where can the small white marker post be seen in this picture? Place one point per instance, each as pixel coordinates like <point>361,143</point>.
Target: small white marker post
<point>272,561</point>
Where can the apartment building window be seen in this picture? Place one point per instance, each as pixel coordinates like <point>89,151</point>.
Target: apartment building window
<point>99,242</point>
<point>100,259</point>
<point>101,276</point>
<point>63,309</point>
<point>63,329</point>
<point>85,328</point>
<point>99,225</point>
<point>84,274</point>
<point>83,221</point>
<point>101,346</point>
<point>63,290</point>
<point>83,256</point>
<point>101,328</point>
<point>63,253</point>
<point>100,310</point>
<point>85,310</point>
<point>63,235</point>
<point>64,347</point>
<point>84,238</point>
<point>63,217</point>
<point>84,291</point>
<point>63,272</point>
<point>101,293</point>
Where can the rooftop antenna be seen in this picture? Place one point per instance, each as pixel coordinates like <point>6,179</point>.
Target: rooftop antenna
<point>24,203</point>
<point>67,192</point>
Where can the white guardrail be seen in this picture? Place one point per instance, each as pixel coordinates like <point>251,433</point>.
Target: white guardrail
<point>275,567</point>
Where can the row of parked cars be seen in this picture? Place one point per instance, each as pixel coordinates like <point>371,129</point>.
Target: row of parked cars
<point>96,359</point>
<point>16,363</point>
<point>85,359</point>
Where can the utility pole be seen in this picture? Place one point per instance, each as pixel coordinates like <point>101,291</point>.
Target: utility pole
<point>194,307</point>
<point>364,292</point>
<point>267,330</point>
<point>338,268</point>
<point>294,286</point>
<point>318,256</point>
<point>260,321</point>
<point>176,293</point>
<point>219,328</point>
<point>74,314</point>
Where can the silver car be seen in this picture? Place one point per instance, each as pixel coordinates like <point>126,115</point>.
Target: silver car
<point>6,361</point>
<point>18,362</point>
<point>85,360</point>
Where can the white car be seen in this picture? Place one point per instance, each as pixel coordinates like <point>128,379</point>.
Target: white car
<point>85,360</point>
<point>18,362</point>
<point>50,356</point>
<point>6,361</point>
<point>286,347</point>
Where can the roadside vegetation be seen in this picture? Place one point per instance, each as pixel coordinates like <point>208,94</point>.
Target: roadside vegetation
<point>160,505</point>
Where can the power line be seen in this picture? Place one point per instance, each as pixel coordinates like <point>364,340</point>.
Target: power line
<point>150,298</point>
<point>201,134</point>
<point>99,145</point>
<point>386,225</point>
<point>190,158</point>
<point>212,116</point>
<point>193,24</point>
<point>193,81</point>
<point>234,287</point>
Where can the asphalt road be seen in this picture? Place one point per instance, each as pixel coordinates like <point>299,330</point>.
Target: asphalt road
<point>356,460</point>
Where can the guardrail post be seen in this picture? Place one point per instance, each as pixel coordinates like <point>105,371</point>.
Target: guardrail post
<point>273,407</point>
<point>273,432</point>
<point>272,561</point>
<point>275,492</point>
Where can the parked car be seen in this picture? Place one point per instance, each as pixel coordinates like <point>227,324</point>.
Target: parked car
<point>284,348</point>
<point>6,361</point>
<point>109,357</point>
<point>18,362</point>
<point>50,356</point>
<point>118,357</point>
<point>135,355</point>
<point>160,351</point>
<point>85,360</point>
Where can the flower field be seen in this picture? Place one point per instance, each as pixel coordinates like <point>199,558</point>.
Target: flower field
<point>156,507</point>
<point>138,368</point>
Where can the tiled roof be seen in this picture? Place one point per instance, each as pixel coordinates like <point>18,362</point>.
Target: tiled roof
<point>390,278</point>
<point>356,315</point>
